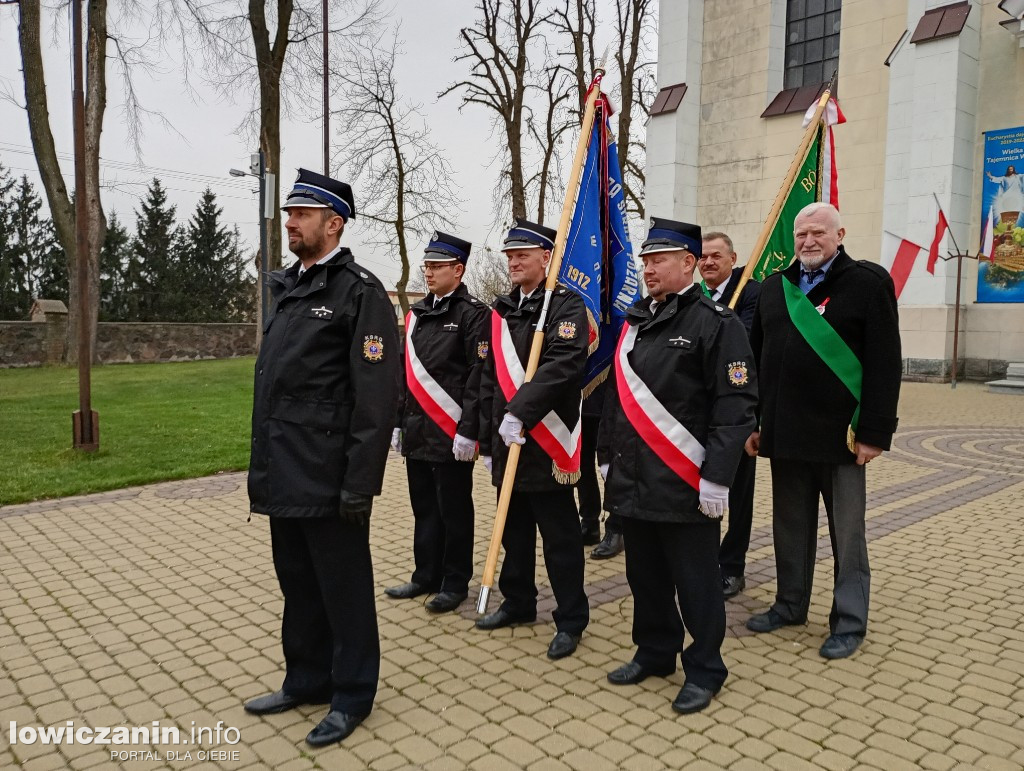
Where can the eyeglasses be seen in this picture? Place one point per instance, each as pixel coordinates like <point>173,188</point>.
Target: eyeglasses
<point>424,269</point>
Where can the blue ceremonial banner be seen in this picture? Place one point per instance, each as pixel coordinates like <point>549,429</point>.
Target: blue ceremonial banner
<point>598,260</point>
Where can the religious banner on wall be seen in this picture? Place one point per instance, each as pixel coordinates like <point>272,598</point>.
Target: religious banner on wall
<point>1001,276</point>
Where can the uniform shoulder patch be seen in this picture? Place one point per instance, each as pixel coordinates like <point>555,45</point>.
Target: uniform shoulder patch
<point>482,349</point>
<point>364,275</point>
<point>567,330</point>
<point>373,348</point>
<point>737,372</point>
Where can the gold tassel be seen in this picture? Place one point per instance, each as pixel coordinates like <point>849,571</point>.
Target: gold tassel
<point>564,477</point>
<point>851,440</point>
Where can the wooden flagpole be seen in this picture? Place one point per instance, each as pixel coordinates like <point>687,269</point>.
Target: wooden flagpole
<point>512,464</point>
<point>780,197</point>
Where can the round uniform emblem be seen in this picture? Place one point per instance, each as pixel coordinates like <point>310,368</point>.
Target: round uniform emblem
<point>567,330</point>
<point>373,348</point>
<point>482,349</point>
<point>738,373</point>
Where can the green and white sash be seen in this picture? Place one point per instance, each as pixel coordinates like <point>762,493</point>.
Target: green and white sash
<point>829,346</point>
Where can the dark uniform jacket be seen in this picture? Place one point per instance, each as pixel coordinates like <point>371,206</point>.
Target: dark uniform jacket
<point>451,342</point>
<point>805,408</point>
<point>555,386</point>
<point>695,358</point>
<point>747,303</point>
<point>326,388</point>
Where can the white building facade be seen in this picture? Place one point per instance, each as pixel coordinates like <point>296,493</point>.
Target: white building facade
<point>920,82</point>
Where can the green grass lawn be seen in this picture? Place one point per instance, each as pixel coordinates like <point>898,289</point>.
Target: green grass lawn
<point>157,422</point>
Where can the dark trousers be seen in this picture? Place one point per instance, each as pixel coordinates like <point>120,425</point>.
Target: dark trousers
<point>666,562</point>
<point>554,514</point>
<point>587,489</point>
<point>442,506</point>
<point>732,556</point>
<point>329,631</point>
<point>796,486</point>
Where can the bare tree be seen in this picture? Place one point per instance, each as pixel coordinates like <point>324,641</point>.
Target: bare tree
<point>487,274</point>
<point>576,22</point>
<point>404,180</point>
<point>499,49</point>
<point>242,47</point>
<point>62,209</point>
<point>555,120</point>
<point>634,26</point>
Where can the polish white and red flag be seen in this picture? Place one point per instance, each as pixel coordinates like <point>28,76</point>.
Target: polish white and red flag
<point>832,116</point>
<point>898,257</point>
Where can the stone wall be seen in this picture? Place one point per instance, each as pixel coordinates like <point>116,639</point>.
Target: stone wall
<point>28,344</point>
<point>22,344</point>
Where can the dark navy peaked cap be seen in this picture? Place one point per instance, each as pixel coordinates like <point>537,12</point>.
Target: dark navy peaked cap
<point>319,192</point>
<point>446,248</point>
<point>529,235</point>
<point>670,235</point>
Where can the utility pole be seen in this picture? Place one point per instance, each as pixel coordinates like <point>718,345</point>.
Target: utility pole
<point>327,97</point>
<point>85,423</point>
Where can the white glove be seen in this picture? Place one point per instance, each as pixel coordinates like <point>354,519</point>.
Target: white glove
<point>487,462</point>
<point>511,430</point>
<point>603,468</point>
<point>463,448</point>
<point>396,440</point>
<point>714,499</point>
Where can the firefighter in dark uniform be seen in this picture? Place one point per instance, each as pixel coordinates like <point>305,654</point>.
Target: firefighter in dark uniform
<point>719,279</point>
<point>327,381</point>
<point>539,412</point>
<point>438,422</point>
<point>677,413</point>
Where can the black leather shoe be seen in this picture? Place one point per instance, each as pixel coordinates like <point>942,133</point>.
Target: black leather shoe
<point>634,672</point>
<point>839,646</point>
<point>280,701</point>
<point>732,585</point>
<point>406,591</point>
<point>446,601</point>
<point>332,729</point>
<point>502,618</point>
<point>563,644</point>
<point>609,547</point>
<point>692,698</point>
<point>769,621</point>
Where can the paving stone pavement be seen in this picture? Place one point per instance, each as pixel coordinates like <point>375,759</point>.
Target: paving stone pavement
<point>160,603</point>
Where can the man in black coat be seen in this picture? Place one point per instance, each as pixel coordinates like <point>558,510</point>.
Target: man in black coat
<point>445,346</point>
<point>827,339</point>
<point>676,416</point>
<point>719,279</point>
<point>323,408</point>
<point>543,416</point>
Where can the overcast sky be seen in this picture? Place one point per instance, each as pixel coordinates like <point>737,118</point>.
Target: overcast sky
<point>204,142</point>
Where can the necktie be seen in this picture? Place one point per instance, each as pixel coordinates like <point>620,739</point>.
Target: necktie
<point>812,275</point>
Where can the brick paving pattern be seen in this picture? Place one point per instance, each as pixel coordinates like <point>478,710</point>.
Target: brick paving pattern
<point>160,604</point>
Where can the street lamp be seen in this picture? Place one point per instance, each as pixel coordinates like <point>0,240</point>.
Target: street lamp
<point>258,169</point>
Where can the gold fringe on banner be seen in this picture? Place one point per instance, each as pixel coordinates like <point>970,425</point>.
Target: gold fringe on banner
<point>593,384</point>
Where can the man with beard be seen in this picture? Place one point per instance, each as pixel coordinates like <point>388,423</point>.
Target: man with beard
<point>323,409</point>
<point>544,417</point>
<point>676,415</point>
<point>445,347</point>
<point>827,338</point>
<point>719,279</point>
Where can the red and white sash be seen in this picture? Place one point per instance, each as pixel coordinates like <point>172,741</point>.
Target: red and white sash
<point>670,439</point>
<point>434,400</point>
<point>558,441</point>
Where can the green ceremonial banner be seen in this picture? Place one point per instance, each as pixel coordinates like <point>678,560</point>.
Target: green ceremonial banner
<point>779,250</point>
